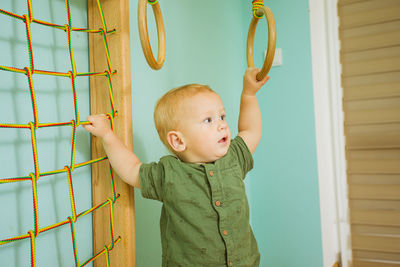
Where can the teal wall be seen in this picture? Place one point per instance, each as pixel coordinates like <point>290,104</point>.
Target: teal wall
<point>284,184</point>
<point>206,44</point>
<point>55,104</point>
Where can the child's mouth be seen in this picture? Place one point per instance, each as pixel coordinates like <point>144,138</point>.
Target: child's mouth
<point>223,140</point>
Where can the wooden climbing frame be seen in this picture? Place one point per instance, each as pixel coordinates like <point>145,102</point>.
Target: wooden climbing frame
<point>116,13</point>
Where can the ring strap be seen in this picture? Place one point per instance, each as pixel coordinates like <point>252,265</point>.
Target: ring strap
<point>256,5</point>
<point>152,2</point>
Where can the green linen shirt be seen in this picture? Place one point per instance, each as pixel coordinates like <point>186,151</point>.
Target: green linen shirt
<point>205,213</point>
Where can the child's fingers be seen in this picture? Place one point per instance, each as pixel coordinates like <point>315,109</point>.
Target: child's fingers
<point>88,128</point>
<point>250,71</point>
<point>263,81</point>
<point>90,118</point>
<point>253,72</point>
<point>95,118</point>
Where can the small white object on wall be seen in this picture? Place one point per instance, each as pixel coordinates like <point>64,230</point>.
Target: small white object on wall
<point>277,57</point>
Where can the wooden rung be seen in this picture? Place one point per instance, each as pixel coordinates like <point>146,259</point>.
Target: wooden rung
<point>383,192</point>
<point>373,116</point>
<point>376,217</point>
<point>362,229</point>
<point>370,30</point>
<point>375,15</point>
<point>366,67</point>
<point>376,243</point>
<point>370,111</point>
<point>368,55</point>
<point>374,166</point>
<point>374,179</point>
<point>373,136</point>
<point>373,263</point>
<point>365,6</point>
<point>366,42</point>
<point>347,2</point>
<point>373,255</point>
<point>372,91</point>
<point>386,154</point>
<point>373,79</point>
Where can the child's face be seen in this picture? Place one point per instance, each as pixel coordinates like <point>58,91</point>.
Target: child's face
<point>204,129</point>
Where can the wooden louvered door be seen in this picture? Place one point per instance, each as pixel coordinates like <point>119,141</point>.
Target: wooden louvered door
<point>369,33</point>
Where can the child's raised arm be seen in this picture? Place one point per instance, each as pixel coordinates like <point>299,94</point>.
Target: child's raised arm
<point>122,160</point>
<point>250,122</point>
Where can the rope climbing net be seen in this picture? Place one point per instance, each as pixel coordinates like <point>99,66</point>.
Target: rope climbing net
<point>32,126</point>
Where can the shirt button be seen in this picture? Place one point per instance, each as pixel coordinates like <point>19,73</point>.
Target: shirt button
<point>225,232</point>
<point>211,173</point>
<point>218,203</point>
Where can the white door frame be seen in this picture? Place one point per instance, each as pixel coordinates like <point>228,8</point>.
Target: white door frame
<point>329,132</point>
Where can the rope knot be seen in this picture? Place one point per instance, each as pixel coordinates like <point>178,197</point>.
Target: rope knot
<point>152,2</point>
<point>256,5</point>
<point>111,118</point>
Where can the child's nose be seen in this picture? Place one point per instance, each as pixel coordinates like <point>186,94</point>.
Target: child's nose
<point>222,125</point>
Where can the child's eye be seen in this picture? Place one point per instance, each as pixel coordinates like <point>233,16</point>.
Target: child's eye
<point>208,120</point>
<point>222,117</point>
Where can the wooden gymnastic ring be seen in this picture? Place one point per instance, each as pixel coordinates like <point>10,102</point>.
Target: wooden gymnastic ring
<point>144,35</point>
<point>271,41</point>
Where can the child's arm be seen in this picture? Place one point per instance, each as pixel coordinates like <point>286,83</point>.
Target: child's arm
<point>122,160</point>
<point>250,122</point>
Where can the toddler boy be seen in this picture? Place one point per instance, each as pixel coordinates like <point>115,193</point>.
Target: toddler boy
<point>205,214</point>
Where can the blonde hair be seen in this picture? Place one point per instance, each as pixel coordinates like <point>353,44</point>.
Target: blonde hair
<point>166,111</point>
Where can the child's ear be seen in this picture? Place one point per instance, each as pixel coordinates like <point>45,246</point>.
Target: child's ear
<point>176,141</point>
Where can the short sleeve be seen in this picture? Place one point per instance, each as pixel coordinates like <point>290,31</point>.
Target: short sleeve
<point>151,177</point>
<point>243,154</point>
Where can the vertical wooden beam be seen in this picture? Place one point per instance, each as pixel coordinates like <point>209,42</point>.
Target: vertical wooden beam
<point>116,13</point>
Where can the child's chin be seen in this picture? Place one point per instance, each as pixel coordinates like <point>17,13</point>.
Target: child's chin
<point>223,153</point>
